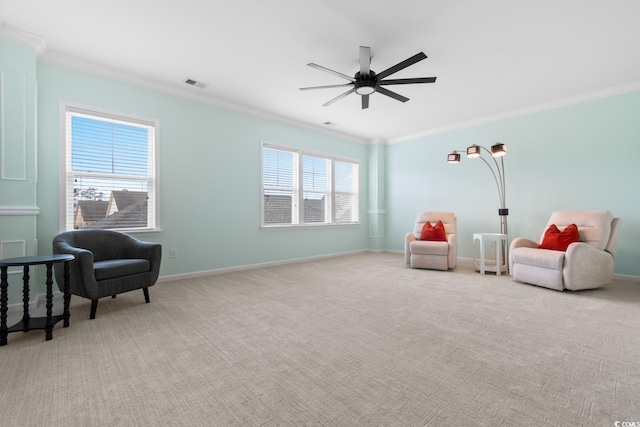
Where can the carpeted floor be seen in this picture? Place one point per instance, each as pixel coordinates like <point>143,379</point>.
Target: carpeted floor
<point>359,340</point>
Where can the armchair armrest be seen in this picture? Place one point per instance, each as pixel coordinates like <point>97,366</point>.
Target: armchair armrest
<point>586,264</point>
<point>145,250</point>
<point>154,255</point>
<point>142,250</point>
<point>81,274</point>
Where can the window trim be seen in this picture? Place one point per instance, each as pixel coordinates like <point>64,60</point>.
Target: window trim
<point>65,107</point>
<point>300,153</point>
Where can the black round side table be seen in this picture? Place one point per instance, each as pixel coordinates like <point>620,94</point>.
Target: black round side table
<point>27,323</point>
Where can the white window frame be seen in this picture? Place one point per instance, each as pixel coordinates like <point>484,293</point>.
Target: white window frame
<point>298,189</point>
<point>66,217</point>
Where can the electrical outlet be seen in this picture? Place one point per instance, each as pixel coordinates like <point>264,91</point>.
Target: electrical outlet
<point>173,253</point>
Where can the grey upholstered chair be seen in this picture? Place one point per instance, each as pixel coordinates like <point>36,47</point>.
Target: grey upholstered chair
<point>107,263</point>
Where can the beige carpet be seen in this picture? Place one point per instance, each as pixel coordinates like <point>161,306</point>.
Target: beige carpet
<point>358,340</point>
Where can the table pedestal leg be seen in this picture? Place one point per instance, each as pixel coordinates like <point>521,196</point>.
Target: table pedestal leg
<point>49,325</point>
<point>4,299</point>
<point>25,299</point>
<point>67,295</point>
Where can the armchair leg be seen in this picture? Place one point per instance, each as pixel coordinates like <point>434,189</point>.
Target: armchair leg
<point>94,306</point>
<point>146,294</point>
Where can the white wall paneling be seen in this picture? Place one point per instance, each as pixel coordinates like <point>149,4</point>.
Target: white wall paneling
<point>13,126</point>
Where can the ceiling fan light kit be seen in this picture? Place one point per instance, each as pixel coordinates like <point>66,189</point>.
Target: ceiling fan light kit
<point>366,82</point>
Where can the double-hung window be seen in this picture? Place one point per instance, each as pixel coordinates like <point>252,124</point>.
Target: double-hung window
<point>109,171</point>
<point>301,188</point>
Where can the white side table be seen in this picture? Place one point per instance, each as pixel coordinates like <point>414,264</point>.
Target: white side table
<point>500,264</point>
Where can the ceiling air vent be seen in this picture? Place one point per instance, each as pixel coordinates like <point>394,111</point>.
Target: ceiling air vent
<point>195,83</point>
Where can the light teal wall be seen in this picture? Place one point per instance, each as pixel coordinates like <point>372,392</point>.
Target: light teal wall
<point>18,210</point>
<point>209,175</point>
<point>583,156</point>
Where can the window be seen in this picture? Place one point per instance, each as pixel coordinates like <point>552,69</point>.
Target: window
<point>300,188</point>
<point>109,171</point>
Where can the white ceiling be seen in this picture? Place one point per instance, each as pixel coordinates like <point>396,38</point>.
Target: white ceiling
<point>492,58</point>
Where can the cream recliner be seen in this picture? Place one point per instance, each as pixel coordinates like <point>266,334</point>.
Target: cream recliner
<point>434,255</point>
<point>586,264</point>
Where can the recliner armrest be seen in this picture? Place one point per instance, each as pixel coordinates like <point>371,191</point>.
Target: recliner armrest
<point>586,264</point>
<point>522,242</point>
<point>410,237</point>
<point>453,250</point>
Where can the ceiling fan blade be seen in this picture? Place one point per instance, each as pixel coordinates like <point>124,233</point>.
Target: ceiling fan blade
<point>404,64</point>
<point>391,94</point>
<point>335,73</point>
<point>365,60</point>
<point>339,97</point>
<point>325,87</point>
<point>365,102</point>
<point>408,81</point>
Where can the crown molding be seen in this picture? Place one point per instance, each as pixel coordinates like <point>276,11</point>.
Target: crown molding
<point>563,102</point>
<point>67,61</point>
<point>38,43</point>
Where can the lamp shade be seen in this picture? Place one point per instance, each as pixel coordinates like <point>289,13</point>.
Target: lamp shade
<point>498,149</point>
<point>453,157</point>
<point>473,151</point>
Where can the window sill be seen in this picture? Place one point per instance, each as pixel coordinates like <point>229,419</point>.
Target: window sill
<point>138,231</point>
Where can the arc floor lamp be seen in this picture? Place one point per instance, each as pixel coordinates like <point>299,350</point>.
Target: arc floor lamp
<point>498,150</point>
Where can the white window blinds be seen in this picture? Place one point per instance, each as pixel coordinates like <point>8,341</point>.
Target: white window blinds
<point>110,171</point>
<point>299,188</point>
<point>317,184</point>
<point>280,186</point>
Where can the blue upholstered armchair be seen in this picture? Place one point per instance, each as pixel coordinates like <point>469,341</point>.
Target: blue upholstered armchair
<point>107,263</point>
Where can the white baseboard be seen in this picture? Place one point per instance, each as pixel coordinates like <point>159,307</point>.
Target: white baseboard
<point>254,266</point>
<point>627,278</point>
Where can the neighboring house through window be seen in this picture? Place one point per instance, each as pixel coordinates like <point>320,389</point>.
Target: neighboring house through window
<point>109,171</point>
<point>300,188</point>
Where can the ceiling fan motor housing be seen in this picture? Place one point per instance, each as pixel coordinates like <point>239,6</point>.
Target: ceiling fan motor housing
<point>365,85</point>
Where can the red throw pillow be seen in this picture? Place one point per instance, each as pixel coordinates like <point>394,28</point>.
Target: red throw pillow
<point>560,240</point>
<point>433,233</point>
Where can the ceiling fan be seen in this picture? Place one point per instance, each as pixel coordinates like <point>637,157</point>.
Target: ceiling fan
<point>366,82</point>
